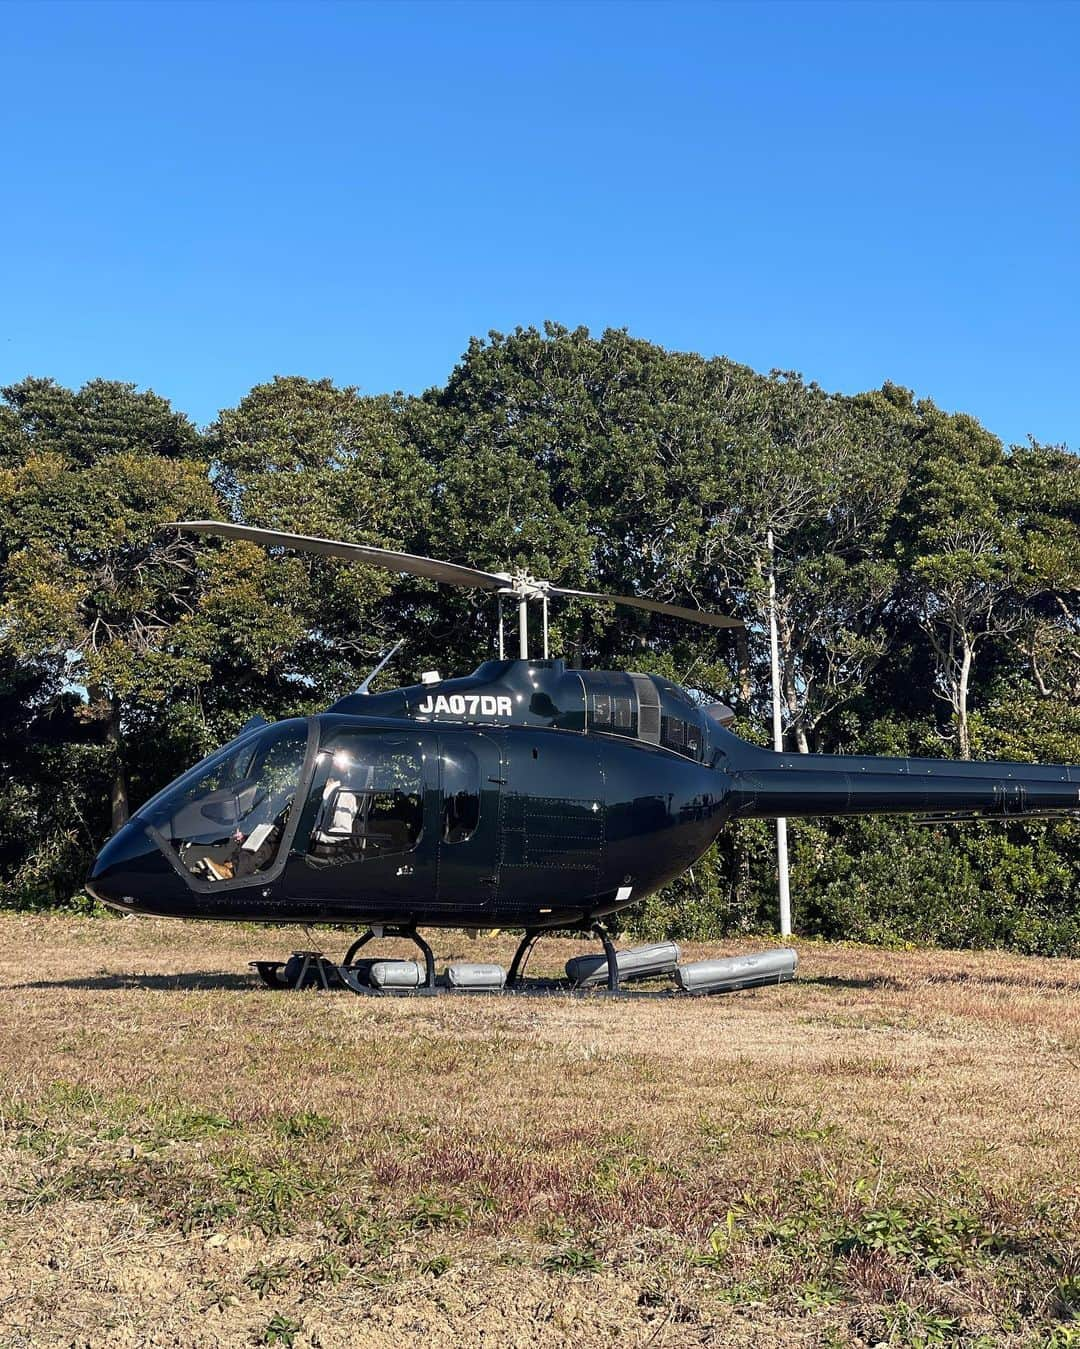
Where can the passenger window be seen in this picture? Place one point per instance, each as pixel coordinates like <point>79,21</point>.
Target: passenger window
<point>225,820</point>
<point>674,733</point>
<point>623,712</point>
<point>461,794</point>
<point>602,709</point>
<point>370,794</point>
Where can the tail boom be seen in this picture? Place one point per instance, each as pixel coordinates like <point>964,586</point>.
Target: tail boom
<point>822,784</point>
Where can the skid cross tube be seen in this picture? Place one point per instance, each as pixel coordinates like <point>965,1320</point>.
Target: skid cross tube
<point>524,950</point>
<point>599,930</point>
<point>521,956</point>
<point>374,933</point>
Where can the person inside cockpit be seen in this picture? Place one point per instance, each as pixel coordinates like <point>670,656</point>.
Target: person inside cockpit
<point>226,819</point>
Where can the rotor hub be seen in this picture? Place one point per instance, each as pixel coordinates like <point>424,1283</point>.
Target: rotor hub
<point>524,586</point>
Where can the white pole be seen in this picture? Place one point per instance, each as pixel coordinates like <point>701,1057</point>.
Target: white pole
<point>502,644</point>
<point>545,627</point>
<point>523,628</point>
<point>778,745</point>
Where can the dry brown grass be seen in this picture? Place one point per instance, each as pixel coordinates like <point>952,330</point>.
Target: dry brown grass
<point>884,1151</point>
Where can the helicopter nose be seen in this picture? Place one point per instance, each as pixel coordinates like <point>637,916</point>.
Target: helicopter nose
<point>129,869</point>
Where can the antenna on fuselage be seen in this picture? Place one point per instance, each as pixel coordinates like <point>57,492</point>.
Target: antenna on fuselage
<point>520,584</point>
<point>365,686</point>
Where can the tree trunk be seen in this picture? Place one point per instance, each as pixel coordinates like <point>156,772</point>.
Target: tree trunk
<point>791,698</point>
<point>742,658</point>
<point>963,734</point>
<point>119,793</point>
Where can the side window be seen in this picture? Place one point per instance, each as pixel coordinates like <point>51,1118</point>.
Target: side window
<point>461,793</point>
<point>370,799</point>
<point>674,733</point>
<point>623,712</point>
<point>225,820</point>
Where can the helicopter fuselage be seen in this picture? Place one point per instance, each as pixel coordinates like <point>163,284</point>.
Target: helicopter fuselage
<point>509,797</point>
<point>527,794</point>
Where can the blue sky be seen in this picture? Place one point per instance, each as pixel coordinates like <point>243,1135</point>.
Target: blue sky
<point>196,197</point>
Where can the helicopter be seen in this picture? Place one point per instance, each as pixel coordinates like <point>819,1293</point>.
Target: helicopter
<point>527,794</point>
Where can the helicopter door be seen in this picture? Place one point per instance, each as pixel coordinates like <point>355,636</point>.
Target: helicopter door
<point>369,825</point>
<point>470,786</point>
<point>554,817</point>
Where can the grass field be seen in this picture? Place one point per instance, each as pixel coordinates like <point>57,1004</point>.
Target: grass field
<point>885,1151</point>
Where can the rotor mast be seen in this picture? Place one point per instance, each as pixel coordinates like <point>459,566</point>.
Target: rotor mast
<point>524,588</point>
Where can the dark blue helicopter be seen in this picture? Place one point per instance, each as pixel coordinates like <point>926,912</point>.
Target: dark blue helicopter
<point>526,794</point>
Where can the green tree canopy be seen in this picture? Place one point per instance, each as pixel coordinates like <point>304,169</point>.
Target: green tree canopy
<point>90,585</point>
<point>929,596</point>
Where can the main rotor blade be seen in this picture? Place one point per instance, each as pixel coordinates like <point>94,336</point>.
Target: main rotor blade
<point>655,606</point>
<point>451,573</point>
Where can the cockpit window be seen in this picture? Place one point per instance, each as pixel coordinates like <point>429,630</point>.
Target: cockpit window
<point>225,820</point>
<point>368,793</point>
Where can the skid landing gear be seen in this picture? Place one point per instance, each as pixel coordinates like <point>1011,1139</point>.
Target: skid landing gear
<point>353,980</point>
<point>303,969</point>
<point>525,946</point>
<point>311,969</point>
<point>586,975</point>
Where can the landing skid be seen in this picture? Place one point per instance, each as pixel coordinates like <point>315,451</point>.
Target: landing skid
<point>339,978</point>
<point>312,969</point>
<point>532,935</point>
<point>395,979</point>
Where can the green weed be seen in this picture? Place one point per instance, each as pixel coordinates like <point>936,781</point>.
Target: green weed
<point>721,1239</point>
<point>280,1330</point>
<point>268,1279</point>
<point>328,1267</point>
<point>1061,1337</point>
<point>307,1124</point>
<point>573,1260</point>
<point>934,1242</point>
<point>812,1296</point>
<point>431,1211</point>
<point>274,1198</point>
<point>185,1126</point>
<point>912,1327</point>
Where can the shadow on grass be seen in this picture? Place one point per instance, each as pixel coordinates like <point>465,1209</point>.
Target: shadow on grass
<point>840,981</point>
<point>909,983</point>
<point>225,982</point>
<point>1033,984</point>
<point>182,983</point>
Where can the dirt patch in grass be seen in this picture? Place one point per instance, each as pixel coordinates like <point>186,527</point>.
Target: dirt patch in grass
<point>884,1151</point>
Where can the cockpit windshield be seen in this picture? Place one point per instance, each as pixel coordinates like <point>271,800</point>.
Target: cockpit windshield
<point>226,818</point>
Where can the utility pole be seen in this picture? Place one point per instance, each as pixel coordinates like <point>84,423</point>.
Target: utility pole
<point>778,745</point>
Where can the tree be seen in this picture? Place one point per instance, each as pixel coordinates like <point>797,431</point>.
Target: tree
<point>90,584</point>
<point>906,535</point>
<point>978,560</point>
<point>1049,497</point>
<point>308,457</point>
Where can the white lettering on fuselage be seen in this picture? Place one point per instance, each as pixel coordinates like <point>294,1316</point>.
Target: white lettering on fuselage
<point>467,704</point>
